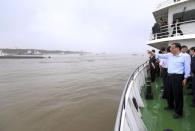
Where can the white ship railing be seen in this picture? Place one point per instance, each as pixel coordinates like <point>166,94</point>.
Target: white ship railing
<point>129,117</point>
<point>167,31</point>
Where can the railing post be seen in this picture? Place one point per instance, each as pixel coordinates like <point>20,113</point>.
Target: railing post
<point>154,35</point>
<point>176,28</point>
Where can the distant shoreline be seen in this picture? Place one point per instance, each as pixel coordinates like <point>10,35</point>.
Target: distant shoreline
<point>23,51</point>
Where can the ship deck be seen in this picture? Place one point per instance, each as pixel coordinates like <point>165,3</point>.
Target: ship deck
<point>157,119</point>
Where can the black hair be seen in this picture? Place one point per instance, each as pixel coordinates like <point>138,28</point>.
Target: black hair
<point>153,51</point>
<point>184,46</point>
<point>193,48</point>
<point>160,52</point>
<point>177,45</point>
<point>163,49</point>
<point>168,49</point>
<point>179,19</point>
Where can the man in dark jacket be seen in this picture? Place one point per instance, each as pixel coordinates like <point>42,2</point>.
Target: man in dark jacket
<point>152,63</point>
<point>192,52</point>
<point>156,30</point>
<point>176,27</point>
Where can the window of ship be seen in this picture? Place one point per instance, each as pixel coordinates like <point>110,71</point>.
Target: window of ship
<point>185,16</point>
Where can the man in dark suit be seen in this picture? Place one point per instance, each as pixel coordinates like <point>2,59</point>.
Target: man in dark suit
<point>192,52</point>
<point>176,27</point>
<point>152,63</point>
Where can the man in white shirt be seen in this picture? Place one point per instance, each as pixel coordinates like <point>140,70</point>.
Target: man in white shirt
<point>184,50</point>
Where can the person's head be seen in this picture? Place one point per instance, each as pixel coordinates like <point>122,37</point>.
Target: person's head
<point>163,50</point>
<point>177,20</point>
<point>184,49</point>
<point>175,48</point>
<point>153,51</point>
<point>159,52</point>
<point>151,54</point>
<point>192,51</point>
<point>168,49</point>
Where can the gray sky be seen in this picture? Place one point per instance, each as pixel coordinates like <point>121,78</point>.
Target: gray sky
<point>88,25</point>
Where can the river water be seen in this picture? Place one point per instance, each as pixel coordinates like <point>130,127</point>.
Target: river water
<point>64,93</point>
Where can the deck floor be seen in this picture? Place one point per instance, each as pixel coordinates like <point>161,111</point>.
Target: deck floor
<point>157,119</point>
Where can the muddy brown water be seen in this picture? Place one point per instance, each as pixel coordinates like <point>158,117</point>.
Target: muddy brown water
<point>64,93</point>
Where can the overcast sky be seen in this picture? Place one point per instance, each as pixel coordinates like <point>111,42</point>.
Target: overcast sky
<point>87,25</point>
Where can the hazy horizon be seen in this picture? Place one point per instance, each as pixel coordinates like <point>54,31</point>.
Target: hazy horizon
<point>110,26</point>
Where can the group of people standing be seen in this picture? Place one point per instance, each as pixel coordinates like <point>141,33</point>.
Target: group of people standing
<point>177,65</point>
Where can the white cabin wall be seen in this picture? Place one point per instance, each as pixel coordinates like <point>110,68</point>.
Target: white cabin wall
<point>179,8</point>
<point>188,28</point>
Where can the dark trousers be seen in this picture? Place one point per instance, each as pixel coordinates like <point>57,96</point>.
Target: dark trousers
<point>157,70</point>
<point>178,31</point>
<point>193,89</point>
<point>164,76</point>
<point>175,92</point>
<point>153,74</point>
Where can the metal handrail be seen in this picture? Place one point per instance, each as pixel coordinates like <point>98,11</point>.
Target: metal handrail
<point>184,22</point>
<point>123,97</point>
<point>168,28</point>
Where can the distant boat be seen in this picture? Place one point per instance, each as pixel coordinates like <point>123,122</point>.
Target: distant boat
<point>1,53</point>
<point>62,53</point>
<point>33,52</point>
<point>28,55</point>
